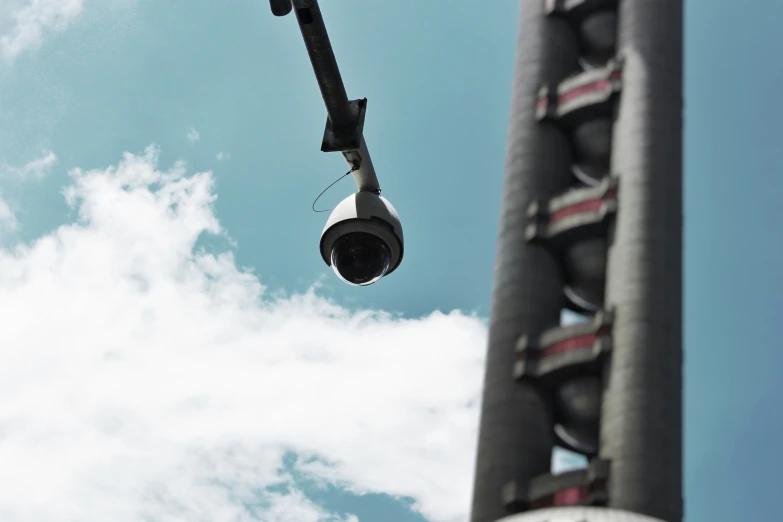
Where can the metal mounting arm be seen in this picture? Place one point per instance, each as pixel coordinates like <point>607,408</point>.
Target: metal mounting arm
<point>316,39</point>
<point>364,175</point>
<point>345,125</point>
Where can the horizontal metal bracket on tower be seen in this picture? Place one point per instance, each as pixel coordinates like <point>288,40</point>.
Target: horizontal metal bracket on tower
<point>577,214</point>
<point>559,353</point>
<point>346,138</point>
<point>578,9</point>
<point>583,487</point>
<point>582,97</point>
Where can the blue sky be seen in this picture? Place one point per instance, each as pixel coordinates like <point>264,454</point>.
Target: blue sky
<point>176,323</point>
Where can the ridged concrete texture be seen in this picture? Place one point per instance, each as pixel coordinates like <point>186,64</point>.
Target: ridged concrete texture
<point>515,433</point>
<point>641,428</point>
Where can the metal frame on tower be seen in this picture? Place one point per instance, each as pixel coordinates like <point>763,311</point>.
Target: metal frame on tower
<point>591,220</point>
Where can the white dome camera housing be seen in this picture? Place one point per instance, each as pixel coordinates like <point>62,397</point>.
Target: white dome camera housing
<point>362,240</point>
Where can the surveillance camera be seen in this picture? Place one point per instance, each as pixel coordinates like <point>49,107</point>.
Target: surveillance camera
<point>362,240</point>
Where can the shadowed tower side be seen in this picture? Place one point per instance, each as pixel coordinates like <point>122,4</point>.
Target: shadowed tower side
<point>591,220</point>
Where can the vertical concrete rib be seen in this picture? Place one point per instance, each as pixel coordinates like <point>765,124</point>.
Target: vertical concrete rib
<point>641,428</point>
<point>515,433</point>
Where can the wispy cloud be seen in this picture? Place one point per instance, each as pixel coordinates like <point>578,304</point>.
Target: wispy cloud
<point>10,175</point>
<point>193,135</point>
<point>24,23</point>
<point>8,222</point>
<point>35,169</point>
<point>220,156</point>
<point>142,378</point>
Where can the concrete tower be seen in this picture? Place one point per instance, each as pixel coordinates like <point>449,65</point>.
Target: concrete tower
<point>591,220</point>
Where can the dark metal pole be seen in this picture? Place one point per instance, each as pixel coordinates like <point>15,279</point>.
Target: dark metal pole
<point>345,121</point>
<point>280,7</point>
<point>319,48</point>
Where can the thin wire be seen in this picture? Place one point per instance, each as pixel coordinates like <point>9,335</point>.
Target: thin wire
<point>327,188</point>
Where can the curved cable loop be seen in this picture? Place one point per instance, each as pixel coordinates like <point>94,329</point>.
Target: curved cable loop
<point>327,188</point>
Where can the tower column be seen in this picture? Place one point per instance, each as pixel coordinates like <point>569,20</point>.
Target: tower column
<point>591,219</point>
<point>641,428</point>
<point>515,432</point>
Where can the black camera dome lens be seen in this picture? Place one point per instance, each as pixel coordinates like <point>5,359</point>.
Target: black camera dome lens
<point>360,258</point>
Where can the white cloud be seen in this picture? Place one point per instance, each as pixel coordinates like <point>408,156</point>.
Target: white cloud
<point>222,156</point>
<point>37,168</point>
<point>24,23</point>
<point>193,135</point>
<point>142,378</point>
<point>8,221</point>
